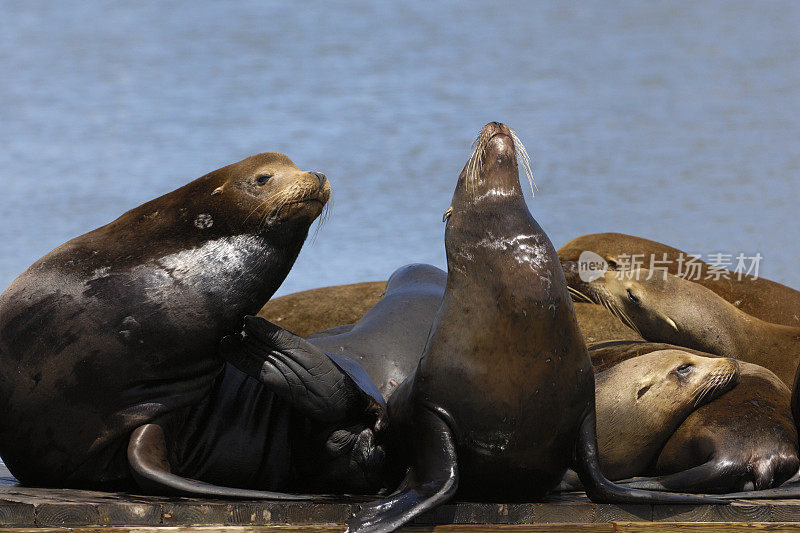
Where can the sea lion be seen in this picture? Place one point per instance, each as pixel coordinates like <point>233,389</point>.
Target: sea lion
<point>389,339</point>
<point>642,401</point>
<point>744,438</point>
<point>705,454</point>
<point>759,297</point>
<point>319,309</point>
<point>504,339</point>
<point>665,308</point>
<point>109,364</point>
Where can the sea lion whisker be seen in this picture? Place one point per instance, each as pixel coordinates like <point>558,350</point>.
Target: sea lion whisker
<point>322,219</point>
<point>256,208</point>
<point>607,301</point>
<point>578,295</point>
<point>522,153</point>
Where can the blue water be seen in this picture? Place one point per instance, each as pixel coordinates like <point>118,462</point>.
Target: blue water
<point>675,121</point>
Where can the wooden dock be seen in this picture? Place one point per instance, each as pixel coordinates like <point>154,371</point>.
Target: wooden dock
<point>44,510</point>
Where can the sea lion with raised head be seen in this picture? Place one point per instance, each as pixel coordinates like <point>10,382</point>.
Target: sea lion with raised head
<point>666,308</point>
<point>110,375</point>
<point>756,296</point>
<point>504,340</point>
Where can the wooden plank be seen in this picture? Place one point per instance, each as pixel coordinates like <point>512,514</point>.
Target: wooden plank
<point>256,513</point>
<point>26,506</point>
<point>623,527</point>
<point>67,514</point>
<point>735,512</point>
<point>129,514</point>
<point>191,513</point>
<point>696,527</point>
<point>16,513</point>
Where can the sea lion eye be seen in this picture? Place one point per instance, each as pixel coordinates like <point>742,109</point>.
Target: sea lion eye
<point>612,264</point>
<point>683,369</point>
<point>632,298</point>
<point>263,178</point>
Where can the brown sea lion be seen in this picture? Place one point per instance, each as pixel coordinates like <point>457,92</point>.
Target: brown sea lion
<point>705,453</point>
<point>744,438</point>
<point>640,402</point>
<point>665,308</point>
<point>759,297</point>
<point>504,339</point>
<point>110,376</point>
<point>319,309</point>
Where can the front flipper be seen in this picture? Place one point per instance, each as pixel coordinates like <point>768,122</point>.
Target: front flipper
<point>431,480</point>
<point>149,463</point>
<point>324,387</point>
<point>601,490</point>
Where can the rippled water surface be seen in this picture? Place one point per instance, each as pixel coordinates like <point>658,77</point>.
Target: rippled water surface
<point>675,121</point>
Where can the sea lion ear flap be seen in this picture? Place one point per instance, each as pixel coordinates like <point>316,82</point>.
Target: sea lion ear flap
<point>671,323</point>
<point>376,404</point>
<point>447,214</point>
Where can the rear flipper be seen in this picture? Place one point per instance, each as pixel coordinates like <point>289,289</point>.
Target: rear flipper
<point>149,462</point>
<point>787,491</point>
<point>601,490</point>
<point>714,476</point>
<point>431,480</point>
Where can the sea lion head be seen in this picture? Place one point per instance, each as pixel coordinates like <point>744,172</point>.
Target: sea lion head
<point>644,399</point>
<point>264,196</point>
<point>269,187</point>
<point>491,171</point>
<point>659,306</point>
<point>663,373</point>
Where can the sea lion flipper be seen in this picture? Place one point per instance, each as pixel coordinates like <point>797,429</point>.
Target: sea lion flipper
<point>148,459</point>
<point>601,490</point>
<point>704,477</point>
<point>431,480</point>
<point>787,491</point>
<point>318,385</point>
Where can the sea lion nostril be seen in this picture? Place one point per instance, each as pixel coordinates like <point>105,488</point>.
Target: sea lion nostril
<point>320,177</point>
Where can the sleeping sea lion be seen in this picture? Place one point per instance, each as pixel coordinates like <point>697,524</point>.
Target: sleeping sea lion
<point>389,339</point>
<point>756,296</point>
<point>665,308</point>
<point>642,401</point>
<point>743,439</point>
